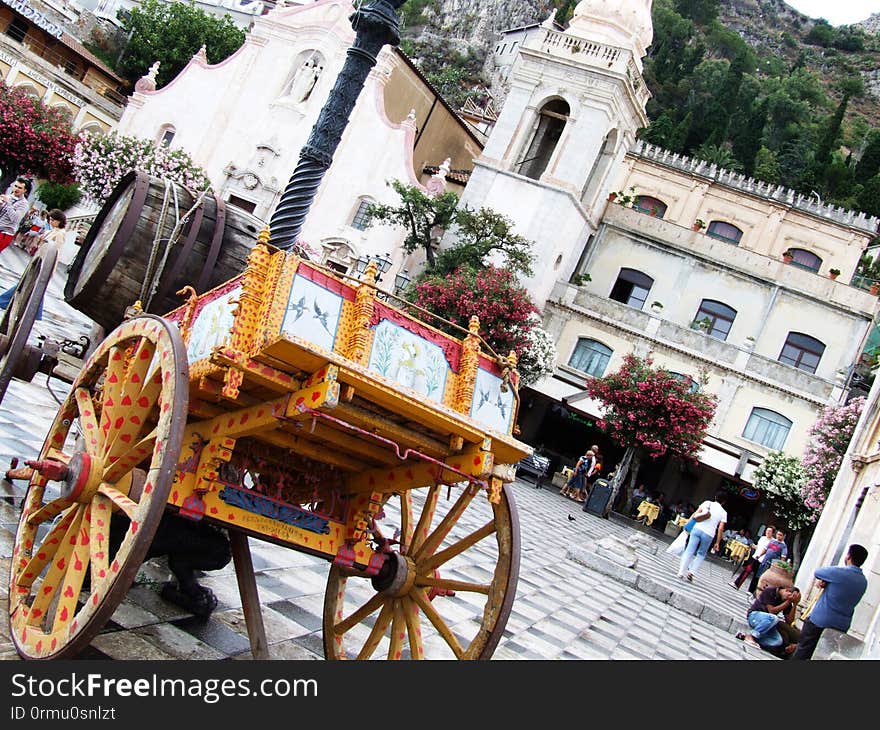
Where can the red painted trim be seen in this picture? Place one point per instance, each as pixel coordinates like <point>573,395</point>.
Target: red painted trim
<point>489,365</point>
<point>327,282</point>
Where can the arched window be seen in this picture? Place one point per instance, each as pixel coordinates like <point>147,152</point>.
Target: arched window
<point>360,220</point>
<point>767,428</point>
<point>631,288</point>
<point>692,384</point>
<point>720,318</point>
<point>724,232</point>
<point>166,135</point>
<point>590,357</point>
<point>92,128</point>
<point>29,89</point>
<point>601,165</point>
<point>805,259</point>
<point>306,71</point>
<point>802,351</point>
<point>551,122</point>
<point>650,206</point>
<point>65,111</point>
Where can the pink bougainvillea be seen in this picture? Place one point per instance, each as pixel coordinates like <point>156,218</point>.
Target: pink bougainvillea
<point>36,140</point>
<point>829,438</point>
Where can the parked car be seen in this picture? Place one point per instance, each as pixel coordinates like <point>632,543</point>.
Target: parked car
<point>534,465</point>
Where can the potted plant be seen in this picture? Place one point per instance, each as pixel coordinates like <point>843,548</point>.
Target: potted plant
<point>622,198</point>
<point>611,196</point>
<point>702,324</point>
<point>581,279</point>
<point>656,306</point>
<point>834,273</point>
<point>875,288</point>
<point>787,256</point>
<point>699,224</point>
<point>750,342</point>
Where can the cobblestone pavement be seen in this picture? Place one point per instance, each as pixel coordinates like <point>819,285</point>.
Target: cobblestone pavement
<point>562,610</point>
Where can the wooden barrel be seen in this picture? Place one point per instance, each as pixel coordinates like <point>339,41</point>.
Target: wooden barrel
<point>122,251</point>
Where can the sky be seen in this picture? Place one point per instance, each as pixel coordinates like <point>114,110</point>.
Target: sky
<point>839,12</point>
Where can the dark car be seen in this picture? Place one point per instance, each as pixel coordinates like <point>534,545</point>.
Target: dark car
<point>533,465</point>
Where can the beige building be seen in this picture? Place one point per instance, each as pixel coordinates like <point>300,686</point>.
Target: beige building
<point>686,265</point>
<point>40,57</point>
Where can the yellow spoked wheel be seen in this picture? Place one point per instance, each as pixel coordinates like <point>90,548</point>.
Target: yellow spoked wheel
<point>112,450</point>
<point>446,593</point>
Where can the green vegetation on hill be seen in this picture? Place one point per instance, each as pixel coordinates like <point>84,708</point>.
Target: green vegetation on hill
<point>772,117</point>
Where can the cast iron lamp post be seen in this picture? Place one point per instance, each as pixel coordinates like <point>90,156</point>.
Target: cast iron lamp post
<point>375,25</point>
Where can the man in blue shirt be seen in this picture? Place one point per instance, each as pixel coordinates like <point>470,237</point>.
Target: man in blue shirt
<point>843,589</point>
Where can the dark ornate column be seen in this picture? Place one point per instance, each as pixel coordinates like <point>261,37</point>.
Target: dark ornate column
<point>375,25</point>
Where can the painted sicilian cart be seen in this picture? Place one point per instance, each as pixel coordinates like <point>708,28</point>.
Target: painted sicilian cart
<point>300,408</point>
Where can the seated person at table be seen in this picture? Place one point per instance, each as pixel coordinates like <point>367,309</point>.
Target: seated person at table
<point>639,495</point>
<point>743,537</point>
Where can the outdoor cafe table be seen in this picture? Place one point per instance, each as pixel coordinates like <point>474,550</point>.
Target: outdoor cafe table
<point>739,551</point>
<point>649,511</point>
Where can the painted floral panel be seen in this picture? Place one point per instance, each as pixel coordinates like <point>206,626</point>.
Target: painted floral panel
<point>312,313</point>
<point>491,407</point>
<point>212,326</point>
<point>408,359</point>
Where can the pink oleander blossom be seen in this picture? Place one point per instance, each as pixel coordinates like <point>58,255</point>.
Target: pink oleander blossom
<point>829,439</point>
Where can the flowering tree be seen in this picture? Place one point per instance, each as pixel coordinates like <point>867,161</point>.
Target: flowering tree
<point>36,140</point>
<point>508,318</point>
<point>101,160</point>
<point>782,478</point>
<point>537,355</point>
<point>650,411</point>
<point>830,437</point>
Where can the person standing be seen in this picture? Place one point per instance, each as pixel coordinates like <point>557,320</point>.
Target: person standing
<point>776,548</point>
<point>578,478</point>
<point>13,208</point>
<point>710,519</point>
<point>55,235</point>
<point>592,475</point>
<point>843,588</point>
<point>755,561</point>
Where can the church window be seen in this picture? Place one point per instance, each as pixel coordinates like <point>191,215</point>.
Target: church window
<point>166,135</point>
<point>551,122</point>
<point>360,219</point>
<point>601,166</point>
<point>631,288</point>
<point>724,232</point>
<point>802,351</point>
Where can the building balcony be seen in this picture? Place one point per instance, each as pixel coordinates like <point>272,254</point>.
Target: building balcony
<point>742,260</point>
<point>694,343</point>
<point>53,68</point>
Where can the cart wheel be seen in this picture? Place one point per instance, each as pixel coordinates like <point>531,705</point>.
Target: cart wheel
<point>114,447</point>
<point>19,316</point>
<point>440,595</point>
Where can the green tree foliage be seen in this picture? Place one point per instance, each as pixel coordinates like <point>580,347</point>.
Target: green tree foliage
<point>713,98</point>
<point>55,195</point>
<point>172,34</point>
<point>423,216</point>
<point>869,198</point>
<point>479,235</point>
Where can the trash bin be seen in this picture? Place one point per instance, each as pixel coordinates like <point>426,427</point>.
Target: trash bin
<point>598,499</point>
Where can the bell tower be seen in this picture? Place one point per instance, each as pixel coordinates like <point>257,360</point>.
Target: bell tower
<point>576,101</point>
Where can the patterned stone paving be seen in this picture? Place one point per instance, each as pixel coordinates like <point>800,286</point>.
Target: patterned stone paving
<point>562,609</point>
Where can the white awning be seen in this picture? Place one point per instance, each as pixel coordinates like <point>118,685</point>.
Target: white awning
<point>717,454</point>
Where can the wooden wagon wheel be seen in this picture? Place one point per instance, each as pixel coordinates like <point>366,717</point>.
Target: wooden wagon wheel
<point>433,575</point>
<point>114,447</point>
<point>19,316</point>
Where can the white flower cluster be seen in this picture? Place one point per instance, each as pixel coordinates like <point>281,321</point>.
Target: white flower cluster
<point>538,358</point>
<point>101,160</point>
